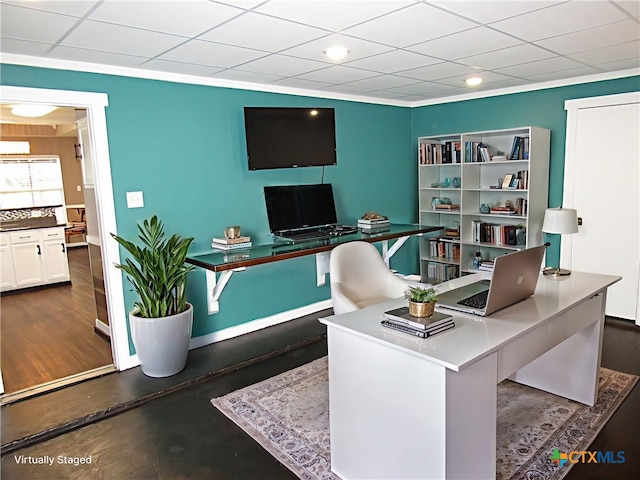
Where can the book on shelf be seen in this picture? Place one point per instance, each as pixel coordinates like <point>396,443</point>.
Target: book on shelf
<point>231,241</point>
<point>418,333</point>
<point>401,315</point>
<point>447,206</point>
<point>232,246</point>
<point>486,265</point>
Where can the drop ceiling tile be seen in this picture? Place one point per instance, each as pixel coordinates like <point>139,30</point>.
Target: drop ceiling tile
<point>629,50</point>
<point>346,88</point>
<point>177,17</point>
<point>211,54</point>
<point>618,65</point>
<point>261,32</point>
<point>23,47</point>
<point>489,79</point>
<point>338,74</point>
<point>415,24</point>
<point>393,61</point>
<point>383,82</point>
<point>282,65</point>
<point>631,6</point>
<point>569,73</point>
<point>599,37</point>
<point>242,76</point>
<point>66,7</point>
<point>118,39</point>
<point>95,56</point>
<point>387,94</point>
<point>492,11</point>
<point>560,19</point>
<point>301,83</point>
<point>464,44</point>
<point>33,25</point>
<point>548,65</point>
<point>438,71</point>
<point>429,89</point>
<point>508,56</point>
<point>331,15</point>
<point>357,47</point>
<point>180,68</point>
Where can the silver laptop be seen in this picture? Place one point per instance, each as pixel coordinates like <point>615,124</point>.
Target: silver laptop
<point>515,276</point>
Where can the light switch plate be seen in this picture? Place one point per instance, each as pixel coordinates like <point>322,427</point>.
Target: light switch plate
<point>135,200</point>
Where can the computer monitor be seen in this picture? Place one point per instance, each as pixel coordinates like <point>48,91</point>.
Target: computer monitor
<point>297,207</point>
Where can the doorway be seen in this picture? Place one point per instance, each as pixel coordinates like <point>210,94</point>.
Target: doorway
<point>95,105</point>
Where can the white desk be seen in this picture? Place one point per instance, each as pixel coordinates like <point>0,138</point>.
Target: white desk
<point>404,407</point>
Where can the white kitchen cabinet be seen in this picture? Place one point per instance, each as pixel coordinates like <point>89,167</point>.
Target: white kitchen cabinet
<point>55,255</point>
<point>7,273</point>
<point>38,257</point>
<point>27,258</point>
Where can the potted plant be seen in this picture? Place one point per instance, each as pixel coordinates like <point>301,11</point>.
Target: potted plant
<point>162,319</point>
<point>422,301</point>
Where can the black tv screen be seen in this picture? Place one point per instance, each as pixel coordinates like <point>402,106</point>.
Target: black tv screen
<point>289,137</point>
<point>294,207</point>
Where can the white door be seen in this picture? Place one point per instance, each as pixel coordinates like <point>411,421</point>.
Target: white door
<point>602,179</point>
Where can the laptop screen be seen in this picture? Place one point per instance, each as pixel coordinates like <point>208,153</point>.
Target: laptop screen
<point>295,207</point>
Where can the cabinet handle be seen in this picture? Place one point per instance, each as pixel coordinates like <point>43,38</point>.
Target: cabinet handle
<point>63,250</point>
<point>39,251</point>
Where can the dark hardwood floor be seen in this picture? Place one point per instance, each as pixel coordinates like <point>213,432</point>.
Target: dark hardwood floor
<point>134,427</point>
<point>48,333</point>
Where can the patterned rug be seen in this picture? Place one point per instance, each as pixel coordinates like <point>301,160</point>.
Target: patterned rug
<point>289,416</point>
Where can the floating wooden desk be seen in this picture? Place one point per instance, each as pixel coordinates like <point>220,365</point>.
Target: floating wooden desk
<point>405,407</point>
<point>227,262</point>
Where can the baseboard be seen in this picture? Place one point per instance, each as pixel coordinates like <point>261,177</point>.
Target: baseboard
<point>257,324</point>
<point>102,328</point>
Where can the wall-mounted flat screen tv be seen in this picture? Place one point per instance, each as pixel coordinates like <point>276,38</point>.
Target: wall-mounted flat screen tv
<point>290,137</point>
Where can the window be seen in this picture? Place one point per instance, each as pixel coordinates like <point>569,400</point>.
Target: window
<point>27,182</point>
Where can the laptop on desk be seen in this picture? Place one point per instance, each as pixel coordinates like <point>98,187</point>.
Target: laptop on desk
<point>299,213</point>
<point>515,276</point>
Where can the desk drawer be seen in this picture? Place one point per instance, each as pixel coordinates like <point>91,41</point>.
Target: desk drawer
<point>527,348</point>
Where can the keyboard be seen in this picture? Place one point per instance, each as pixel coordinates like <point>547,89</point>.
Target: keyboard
<point>479,300</point>
<point>310,235</point>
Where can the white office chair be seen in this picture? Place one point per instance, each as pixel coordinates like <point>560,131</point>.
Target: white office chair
<point>359,277</point>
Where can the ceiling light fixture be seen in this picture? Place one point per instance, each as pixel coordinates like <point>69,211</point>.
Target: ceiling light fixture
<point>336,53</point>
<point>473,81</point>
<point>29,110</point>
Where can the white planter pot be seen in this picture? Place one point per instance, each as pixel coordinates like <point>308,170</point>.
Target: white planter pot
<point>162,344</point>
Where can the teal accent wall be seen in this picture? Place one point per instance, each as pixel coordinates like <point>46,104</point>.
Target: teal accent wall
<point>183,146</point>
<point>540,108</point>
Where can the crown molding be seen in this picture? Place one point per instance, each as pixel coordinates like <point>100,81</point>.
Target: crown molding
<point>57,64</point>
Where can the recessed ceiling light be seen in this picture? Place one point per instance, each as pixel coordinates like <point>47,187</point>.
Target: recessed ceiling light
<point>473,81</point>
<point>29,110</point>
<point>336,53</point>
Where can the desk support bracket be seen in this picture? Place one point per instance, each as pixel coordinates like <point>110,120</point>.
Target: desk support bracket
<point>215,287</point>
<point>387,252</point>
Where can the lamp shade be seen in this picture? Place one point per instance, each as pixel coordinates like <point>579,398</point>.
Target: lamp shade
<point>560,220</point>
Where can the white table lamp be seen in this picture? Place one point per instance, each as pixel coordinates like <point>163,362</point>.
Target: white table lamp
<point>559,221</point>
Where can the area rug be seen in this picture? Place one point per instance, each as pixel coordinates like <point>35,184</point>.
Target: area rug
<point>289,416</point>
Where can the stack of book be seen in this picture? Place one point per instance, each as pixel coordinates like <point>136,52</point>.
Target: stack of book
<point>486,265</point>
<point>230,243</point>
<point>400,320</point>
<point>374,225</point>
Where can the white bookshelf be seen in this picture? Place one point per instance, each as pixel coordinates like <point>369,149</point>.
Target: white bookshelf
<point>477,186</point>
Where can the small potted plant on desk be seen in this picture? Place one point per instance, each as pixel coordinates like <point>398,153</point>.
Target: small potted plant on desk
<point>162,319</point>
<point>422,301</point>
